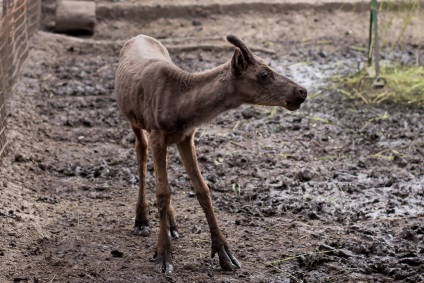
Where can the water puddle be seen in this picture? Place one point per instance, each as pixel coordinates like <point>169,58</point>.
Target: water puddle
<point>314,75</point>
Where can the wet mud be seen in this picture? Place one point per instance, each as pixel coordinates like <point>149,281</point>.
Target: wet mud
<point>332,192</point>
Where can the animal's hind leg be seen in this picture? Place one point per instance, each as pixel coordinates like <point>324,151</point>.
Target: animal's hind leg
<point>163,257</point>
<point>173,228</point>
<point>141,225</point>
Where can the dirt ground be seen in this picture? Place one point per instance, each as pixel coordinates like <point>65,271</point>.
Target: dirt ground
<point>333,192</point>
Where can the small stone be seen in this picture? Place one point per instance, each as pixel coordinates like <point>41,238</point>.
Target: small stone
<point>196,230</point>
<point>247,114</point>
<point>322,54</point>
<point>196,23</point>
<point>313,215</point>
<point>19,158</point>
<point>304,175</point>
<point>116,253</point>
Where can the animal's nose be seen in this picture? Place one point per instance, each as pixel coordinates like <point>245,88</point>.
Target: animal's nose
<point>300,91</point>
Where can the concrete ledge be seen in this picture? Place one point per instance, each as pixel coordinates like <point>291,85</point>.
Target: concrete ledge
<point>148,10</point>
<point>75,16</point>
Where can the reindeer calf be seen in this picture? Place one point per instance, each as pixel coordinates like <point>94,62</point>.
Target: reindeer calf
<point>158,97</point>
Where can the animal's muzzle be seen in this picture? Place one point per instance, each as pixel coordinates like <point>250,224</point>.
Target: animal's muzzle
<point>300,91</point>
<point>299,95</point>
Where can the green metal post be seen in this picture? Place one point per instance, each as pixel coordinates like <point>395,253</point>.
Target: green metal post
<point>376,43</point>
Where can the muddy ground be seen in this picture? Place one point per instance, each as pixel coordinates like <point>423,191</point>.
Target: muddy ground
<point>330,193</point>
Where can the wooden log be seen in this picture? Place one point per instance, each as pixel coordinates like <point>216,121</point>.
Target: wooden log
<point>75,17</point>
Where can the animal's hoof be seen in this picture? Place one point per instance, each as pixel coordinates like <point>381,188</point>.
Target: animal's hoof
<point>173,232</point>
<point>227,260</point>
<point>141,230</point>
<point>163,265</point>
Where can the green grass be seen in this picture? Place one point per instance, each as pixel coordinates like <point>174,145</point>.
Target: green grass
<point>405,10</point>
<point>403,85</point>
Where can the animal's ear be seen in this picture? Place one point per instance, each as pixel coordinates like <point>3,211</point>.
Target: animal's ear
<point>237,42</point>
<point>238,63</point>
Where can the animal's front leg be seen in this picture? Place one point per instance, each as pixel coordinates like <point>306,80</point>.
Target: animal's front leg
<point>162,257</point>
<point>187,151</point>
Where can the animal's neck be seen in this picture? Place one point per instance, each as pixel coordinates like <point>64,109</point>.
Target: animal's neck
<point>207,94</point>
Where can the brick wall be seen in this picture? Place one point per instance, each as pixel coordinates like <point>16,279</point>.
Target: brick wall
<point>19,19</point>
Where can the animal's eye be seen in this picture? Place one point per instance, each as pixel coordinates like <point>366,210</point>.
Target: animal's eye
<point>264,75</point>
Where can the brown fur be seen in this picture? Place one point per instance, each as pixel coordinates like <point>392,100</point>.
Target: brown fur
<point>157,96</point>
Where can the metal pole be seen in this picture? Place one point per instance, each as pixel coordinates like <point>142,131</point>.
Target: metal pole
<point>376,43</point>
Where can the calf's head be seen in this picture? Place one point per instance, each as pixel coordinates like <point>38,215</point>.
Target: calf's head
<point>260,84</point>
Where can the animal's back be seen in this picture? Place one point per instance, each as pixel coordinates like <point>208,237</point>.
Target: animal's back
<point>144,47</point>
<point>140,61</point>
